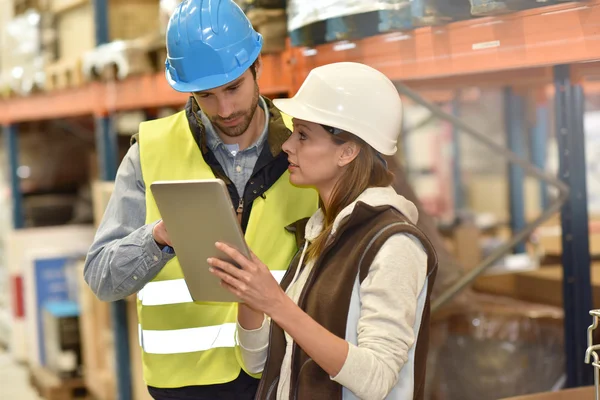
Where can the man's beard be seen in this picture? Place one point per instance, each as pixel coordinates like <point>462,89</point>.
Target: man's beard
<point>239,129</point>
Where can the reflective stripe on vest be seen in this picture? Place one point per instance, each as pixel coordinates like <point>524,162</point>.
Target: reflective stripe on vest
<point>181,346</point>
<point>188,340</point>
<point>175,291</point>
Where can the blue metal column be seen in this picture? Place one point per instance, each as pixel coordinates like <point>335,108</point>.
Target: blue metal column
<point>11,140</point>
<point>577,292</point>
<point>459,200</point>
<point>513,119</point>
<point>101,21</point>
<point>539,141</point>
<point>106,144</point>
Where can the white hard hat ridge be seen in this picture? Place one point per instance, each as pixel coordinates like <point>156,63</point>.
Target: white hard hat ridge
<point>353,97</point>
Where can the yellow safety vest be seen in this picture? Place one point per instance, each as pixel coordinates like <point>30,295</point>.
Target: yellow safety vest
<point>186,343</point>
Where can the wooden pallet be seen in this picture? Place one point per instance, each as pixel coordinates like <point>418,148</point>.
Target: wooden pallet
<point>64,74</point>
<point>51,387</point>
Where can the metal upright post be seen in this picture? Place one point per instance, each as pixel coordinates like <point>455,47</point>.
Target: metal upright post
<point>513,114</point>
<point>11,136</point>
<point>456,170</point>
<point>106,144</point>
<point>101,23</point>
<point>577,292</point>
<point>539,141</point>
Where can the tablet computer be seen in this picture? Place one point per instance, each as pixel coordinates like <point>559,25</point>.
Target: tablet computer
<point>197,214</point>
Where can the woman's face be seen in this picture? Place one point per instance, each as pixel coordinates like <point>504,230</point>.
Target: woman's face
<point>315,159</point>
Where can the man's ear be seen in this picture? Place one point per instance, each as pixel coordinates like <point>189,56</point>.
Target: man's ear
<point>349,152</point>
<point>258,67</point>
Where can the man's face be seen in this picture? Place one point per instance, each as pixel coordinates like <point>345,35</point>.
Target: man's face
<point>231,107</point>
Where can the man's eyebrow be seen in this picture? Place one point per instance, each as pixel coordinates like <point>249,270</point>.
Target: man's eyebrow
<point>236,82</point>
<point>229,86</point>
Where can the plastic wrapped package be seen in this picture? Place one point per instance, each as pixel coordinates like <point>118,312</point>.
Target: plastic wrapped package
<point>23,49</point>
<point>247,5</point>
<point>305,12</point>
<point>495,347</point>
<point>435,12</point>
<point>314,22</point>
<point>116,60</point>
<point>496,7</point>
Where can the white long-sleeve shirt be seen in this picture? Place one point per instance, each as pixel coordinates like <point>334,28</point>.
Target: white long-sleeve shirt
<point>388,306</point>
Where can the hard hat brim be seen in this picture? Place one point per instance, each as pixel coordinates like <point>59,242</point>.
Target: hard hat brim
<point>298,109</point>
<point>207,83</point>
<point>213,81</point>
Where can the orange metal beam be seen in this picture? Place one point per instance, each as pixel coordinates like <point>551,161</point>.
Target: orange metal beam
<point>277,76</point>
<point>68,103</point>
<point>561,34</point>
<point>138,92</point>
<point>513,49</point>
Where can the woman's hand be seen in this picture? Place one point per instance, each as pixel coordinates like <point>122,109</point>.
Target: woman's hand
<point>253,283</point>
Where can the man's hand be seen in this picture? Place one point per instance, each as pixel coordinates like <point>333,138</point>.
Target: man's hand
<point>160,234</point>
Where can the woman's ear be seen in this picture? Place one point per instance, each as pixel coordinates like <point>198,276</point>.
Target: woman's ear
<point>350,151</point>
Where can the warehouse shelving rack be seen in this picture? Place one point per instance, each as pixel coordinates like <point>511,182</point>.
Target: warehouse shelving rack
<point>554,50</point>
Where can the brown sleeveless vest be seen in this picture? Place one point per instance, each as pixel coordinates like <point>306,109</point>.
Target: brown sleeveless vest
<point>326,298</point>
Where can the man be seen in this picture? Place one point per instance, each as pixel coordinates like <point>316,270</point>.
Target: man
<point>228,131</point>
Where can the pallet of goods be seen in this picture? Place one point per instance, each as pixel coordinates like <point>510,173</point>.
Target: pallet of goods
<point>77,58</point>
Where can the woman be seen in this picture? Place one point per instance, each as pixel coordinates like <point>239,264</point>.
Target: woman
<point>350,319</point>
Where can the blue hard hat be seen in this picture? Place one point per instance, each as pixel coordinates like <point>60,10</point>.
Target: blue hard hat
<point>209,44</point>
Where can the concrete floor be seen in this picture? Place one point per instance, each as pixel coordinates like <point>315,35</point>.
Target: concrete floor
<point>14,380</point>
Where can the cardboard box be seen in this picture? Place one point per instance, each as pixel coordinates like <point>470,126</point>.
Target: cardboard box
<point>127,20</point>
<point>549,236</point>
<point>543,286</point>
<point>467,248</point>
<point>489,194</point>
<point>101,192</point>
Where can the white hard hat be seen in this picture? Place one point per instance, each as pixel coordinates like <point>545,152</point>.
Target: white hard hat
<point>352,97</point>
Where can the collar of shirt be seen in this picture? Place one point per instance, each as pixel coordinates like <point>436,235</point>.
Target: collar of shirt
<point>213,140</point>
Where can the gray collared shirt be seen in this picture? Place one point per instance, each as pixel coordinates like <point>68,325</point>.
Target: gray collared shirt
<point>238,165</point>
<point>124,256</point>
